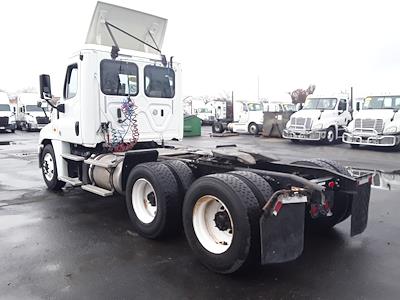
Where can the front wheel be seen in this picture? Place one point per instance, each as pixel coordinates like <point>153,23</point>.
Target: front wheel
<point>253,129</point>
<point>330,136</point>
<point>49,169</point>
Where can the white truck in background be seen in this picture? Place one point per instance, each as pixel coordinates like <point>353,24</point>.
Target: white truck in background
<point>376,124</point>
<point>247,117</point>
<point>322,118</point>
<point>7,115</point>
<point>30,115</point>
<point>121,104</point>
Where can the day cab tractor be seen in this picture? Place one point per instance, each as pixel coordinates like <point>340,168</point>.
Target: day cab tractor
<point>322,119</point>
<point>109,134</point>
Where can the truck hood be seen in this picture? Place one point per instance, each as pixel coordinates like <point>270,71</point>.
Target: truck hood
<point>148,28</point>
<point>311,113</point>
<point>385,114</point>
<point>6,113</point>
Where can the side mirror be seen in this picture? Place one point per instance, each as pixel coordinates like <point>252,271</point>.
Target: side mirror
<point>45,87</point>
<point>358,106</point>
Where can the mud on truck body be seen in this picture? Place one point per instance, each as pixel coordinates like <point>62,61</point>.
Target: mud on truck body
<point>238,208</point>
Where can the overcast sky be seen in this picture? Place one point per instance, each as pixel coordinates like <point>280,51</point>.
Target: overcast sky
<point>223,45</point>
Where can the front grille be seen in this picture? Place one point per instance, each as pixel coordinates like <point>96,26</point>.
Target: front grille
<point>369,125</point>
<point>300,123</point>
<point>42,120</point>
<point>3,120</point>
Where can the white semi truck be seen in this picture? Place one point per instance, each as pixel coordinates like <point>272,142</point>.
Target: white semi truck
<point>376,124</point>
<point>7,115</point>
<point>238,208</point>
<point>30,115</point>
<point>321,119</point>
<point>248,117</point>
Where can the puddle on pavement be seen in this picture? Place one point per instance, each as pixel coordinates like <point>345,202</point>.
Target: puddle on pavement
<point>380,180</point>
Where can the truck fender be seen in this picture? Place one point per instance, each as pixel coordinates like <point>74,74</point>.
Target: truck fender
<point>133,158</point>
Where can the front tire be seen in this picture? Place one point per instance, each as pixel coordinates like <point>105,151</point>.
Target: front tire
<point>253,129</point>
<point>49,169</point>
<point>152,200</point>
<point>330,137</point>
<point>221,221</point>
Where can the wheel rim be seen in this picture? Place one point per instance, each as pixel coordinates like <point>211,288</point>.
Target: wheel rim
<point>144,201</point>
<point>48,166</point>
<point>253,129</point>
<point>212,224</point>
<point>330,136</point>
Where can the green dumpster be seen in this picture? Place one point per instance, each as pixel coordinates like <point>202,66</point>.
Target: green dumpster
<point>191,126</point>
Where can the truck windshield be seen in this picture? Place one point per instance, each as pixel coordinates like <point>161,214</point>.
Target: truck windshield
<point>118,78</point>
<point>320,103</point>
<point>5,107</point>
<point>254,106</point>
<point>382,102</point>
<point>159,82</point>
<point>33,108</point>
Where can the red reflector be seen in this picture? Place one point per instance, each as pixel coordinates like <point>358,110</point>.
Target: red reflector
<point>277,208</point>
<point>331,184</point>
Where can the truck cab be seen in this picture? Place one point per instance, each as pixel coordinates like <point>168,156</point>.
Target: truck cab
<point>376,124</point>
<point>7,115</point>
<point>30,115</point>
<point>248,117</point>
<point>322,119</point>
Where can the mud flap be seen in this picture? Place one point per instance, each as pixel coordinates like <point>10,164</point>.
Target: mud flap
<point>359,208</point>
<point>282,235</point>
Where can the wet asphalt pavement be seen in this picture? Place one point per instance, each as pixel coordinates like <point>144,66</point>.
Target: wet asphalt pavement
<point>76,245</point>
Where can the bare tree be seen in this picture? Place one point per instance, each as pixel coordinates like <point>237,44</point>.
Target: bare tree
<point>300,95</point>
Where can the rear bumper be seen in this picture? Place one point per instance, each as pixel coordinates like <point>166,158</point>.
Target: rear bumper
<point>373,140</point>
<point>311,135</point>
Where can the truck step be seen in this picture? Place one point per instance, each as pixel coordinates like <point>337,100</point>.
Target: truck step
<point>72,157</point>
<point>94,162</point>
<point>70,180</point>
<point>97,190</point>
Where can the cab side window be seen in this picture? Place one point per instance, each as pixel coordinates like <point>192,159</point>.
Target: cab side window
<point>71,82</point>
<point>342,105</point>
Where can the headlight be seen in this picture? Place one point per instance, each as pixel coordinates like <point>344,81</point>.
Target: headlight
<point>317,126</point>
<point>391,129</point>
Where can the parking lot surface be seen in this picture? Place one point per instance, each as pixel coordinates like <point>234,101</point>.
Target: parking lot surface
<point>74,244</point>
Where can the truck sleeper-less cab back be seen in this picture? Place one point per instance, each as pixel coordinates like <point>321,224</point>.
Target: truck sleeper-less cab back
<point>107,136</point>
<point>321,119</point>
<point>377,124</point>
<point>7,116</point>
<point>30,116</point>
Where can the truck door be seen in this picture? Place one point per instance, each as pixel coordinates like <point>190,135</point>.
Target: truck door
<point>344,116</point>
<point>244,114</point>
<point>68,122</point>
